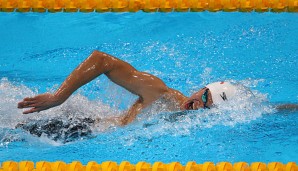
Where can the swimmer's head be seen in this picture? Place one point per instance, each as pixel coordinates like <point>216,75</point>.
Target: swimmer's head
<point>221,91</point>
<point>212,94</point>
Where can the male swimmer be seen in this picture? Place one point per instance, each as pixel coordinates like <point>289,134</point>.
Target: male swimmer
<point>147,87</point>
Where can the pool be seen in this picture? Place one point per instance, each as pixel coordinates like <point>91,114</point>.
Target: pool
<point>185,50</point>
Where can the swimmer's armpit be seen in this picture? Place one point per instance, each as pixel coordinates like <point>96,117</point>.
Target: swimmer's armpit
<point>292,107</point>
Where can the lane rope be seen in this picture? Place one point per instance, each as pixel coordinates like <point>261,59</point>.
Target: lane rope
<point>144,166</point>
<point>148,5</point>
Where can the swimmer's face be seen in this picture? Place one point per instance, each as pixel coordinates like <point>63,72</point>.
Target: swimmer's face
<point>200,99</point>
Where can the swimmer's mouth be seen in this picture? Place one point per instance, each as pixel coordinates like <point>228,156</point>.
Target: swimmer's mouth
<point>190,105</point>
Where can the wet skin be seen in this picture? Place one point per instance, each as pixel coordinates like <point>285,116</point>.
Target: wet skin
<point>148,87</point>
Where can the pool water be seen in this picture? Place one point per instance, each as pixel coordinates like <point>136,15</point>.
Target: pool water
<point>185,50</point>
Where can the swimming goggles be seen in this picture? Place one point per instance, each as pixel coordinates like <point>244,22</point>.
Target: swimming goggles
<point>205,98</point>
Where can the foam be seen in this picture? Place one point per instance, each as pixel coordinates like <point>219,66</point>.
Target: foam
<point>250,106</point>
<point>153,122</point>
<point>76,108</point>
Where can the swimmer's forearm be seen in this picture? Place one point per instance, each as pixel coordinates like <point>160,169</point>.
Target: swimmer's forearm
<point>293,107</point>
<point>89,69</point>
<point>135,109</point>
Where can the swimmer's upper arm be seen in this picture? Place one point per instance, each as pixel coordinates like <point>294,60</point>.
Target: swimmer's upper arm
<point>137,82</point>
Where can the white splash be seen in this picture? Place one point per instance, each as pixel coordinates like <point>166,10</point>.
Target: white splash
<point>158,121</point>
<point>76,107</point>
<point>248,105</point>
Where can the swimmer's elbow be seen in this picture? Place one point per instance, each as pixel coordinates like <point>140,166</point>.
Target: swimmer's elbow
<point>125,121</point>
<point>96,52</point>
<point>99,54</point>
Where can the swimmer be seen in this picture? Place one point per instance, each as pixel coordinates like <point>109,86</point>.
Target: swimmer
<point>147,87</point>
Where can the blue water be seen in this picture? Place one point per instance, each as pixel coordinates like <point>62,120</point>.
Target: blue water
<point>185,50</point>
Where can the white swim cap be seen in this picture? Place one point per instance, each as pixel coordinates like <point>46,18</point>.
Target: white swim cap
<point>221,91</point>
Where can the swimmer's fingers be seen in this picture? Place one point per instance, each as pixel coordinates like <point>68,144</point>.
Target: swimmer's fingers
<point>26,104</point>
<point>35,109</point>
<point>30,99</point>
<point>32,110</point>
<point>39,103</point>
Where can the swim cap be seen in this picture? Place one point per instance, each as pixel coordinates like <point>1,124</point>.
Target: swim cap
<point>221,91</point>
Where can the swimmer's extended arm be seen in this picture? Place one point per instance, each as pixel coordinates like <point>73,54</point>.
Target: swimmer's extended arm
<point>289,107</point>
<point>146,86</point>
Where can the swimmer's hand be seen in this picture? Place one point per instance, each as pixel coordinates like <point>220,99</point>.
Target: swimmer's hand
<point>39,103</point>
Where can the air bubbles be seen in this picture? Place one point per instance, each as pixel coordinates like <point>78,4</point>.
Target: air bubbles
<point>154,122</point>
<point>249,105</point>
<point>75,109</point>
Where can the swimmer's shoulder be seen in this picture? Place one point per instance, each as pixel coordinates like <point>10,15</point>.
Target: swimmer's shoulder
<point>173,99</point>
<point>176,95</point>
